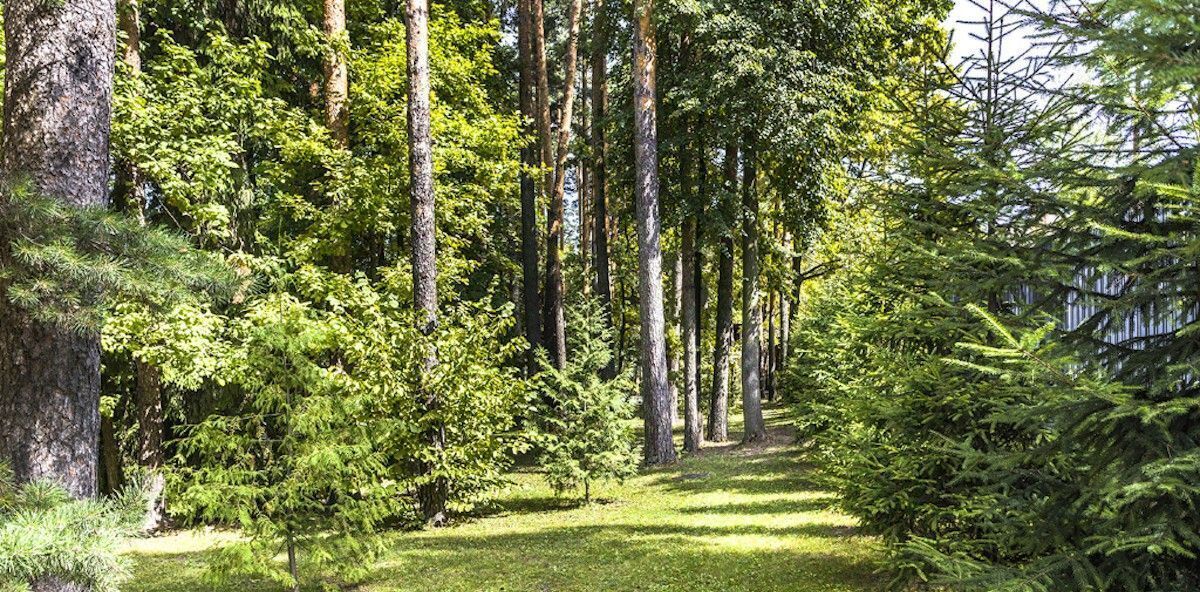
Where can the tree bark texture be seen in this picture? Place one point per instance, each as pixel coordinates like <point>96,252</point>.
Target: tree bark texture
<point>57,118</point>
<point>556,330</point>
<point>432,495</point>
<point>337,74</point>
<point>542,96</point>
<point>660,447</point>
<point>751,305</point>
<point>692,434</point>
<point>531,161</point>
<point>718,415</point>
<point>150,441</point>
<point>599,166</point>
<point>673,357</point>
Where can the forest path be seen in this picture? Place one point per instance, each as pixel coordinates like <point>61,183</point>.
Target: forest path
<point>731,518</point>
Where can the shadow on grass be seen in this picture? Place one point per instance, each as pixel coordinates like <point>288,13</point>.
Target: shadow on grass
<point>630,557</point>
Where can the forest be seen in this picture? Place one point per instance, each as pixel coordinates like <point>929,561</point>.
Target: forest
<point>566,295</point>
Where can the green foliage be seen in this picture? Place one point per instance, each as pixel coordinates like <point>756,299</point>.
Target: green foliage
<point>44,533</point>
<point>69,265</point>
<point>324,442</point>
<point>582,423</point>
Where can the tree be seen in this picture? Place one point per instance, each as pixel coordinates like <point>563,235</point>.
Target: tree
<point>602,279</point>
<point>337,79</point>
<point>58,91</point>
<point>656,397</point>
<point>556,336</point>
<point>530,162</point>
<point>718,409</point>
<point>582,417</point>
<point>751,311</point>
<point>424,250</point>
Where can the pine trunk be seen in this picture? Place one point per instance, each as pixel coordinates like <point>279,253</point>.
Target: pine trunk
<point>751,305</point>
<point>692,434</point>
<point>673,355</point>
<point>128,186</point>
<point>531,161</point>
<point>718,415</point>
<point>150,440</point>
<point>337,76</point>
<point>432,495</point>
<point>57,97</point>
<point>599,166</point>
<point>556,330</point>
<point>660,448</point>
<point>542,96</point>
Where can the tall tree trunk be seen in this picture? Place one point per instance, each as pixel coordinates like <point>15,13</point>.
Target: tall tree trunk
<point>432,495</point>
<point>718,414</point>
<point>751,305</point>
<point>697,270</point>
<point>771,345</point>
<point>129,190</point>
<point>542,96</point>
<point>584,205</point>
<point>150,440</point>
<point>692,435</point>
<point>111,478</point>
<point>57,96</point>
<point>337,77</point>
<point>660,448</point>
<point>556,330</point>
<point>599,165</point>
<point>531,161</point>
<point>673,356</point>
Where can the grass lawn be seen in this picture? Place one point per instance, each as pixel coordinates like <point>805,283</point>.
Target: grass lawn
<point>728,519</point>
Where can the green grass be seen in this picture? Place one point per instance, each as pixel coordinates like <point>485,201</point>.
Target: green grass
<point>729,519</point>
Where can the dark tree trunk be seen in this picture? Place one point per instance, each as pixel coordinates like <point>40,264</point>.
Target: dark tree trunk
<point>129,191</point>
<point>111,478</point>
<point>556,330</point>
<point>673,357</point>
<point>718,413</point>
<point>432,495</point>
<point>660,448</point>
<point>770,345</point>
<point>57,96</point>
<point>531,161</point>
<point>692,434</point>
<point>150,440</point>
<point>337,76</point>
<point>542,95</point>
<point>751,305</point>
<point>599,165</point>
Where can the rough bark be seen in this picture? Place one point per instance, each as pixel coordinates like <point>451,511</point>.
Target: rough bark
<point>148,393</point>
<point>770,365</point>
<point>337,75</point>
<point>57,97</point>
<point>599,165</point>
<point>556,331</point>
<point>751,305</point>
<point>432,495</point>
<point>129,191</point>
<point>655,396</point>
<point>718,416</point>
<point>692,434</point>
<point>542,95</point>
<point>111,478</point>
<point>532,161</point>
<point>673,356</point>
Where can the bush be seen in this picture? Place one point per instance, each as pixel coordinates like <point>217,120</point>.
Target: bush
<point>44,533</point>
<point>582,421</point>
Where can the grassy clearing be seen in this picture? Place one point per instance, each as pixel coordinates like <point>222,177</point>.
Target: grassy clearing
<point>729,519</point>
